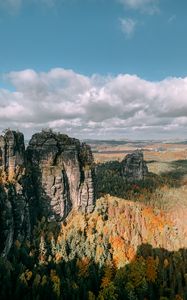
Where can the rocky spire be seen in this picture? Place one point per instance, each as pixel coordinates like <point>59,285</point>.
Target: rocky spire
<point>134,167</point>
<point>62,171</point>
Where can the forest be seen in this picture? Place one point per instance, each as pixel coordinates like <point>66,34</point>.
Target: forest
<point>129,246</point>
<point>98,256</point>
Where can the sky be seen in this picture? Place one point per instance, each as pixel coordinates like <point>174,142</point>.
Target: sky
<point>101,69</point>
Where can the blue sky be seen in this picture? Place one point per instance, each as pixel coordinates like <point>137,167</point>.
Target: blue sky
<point>139,45</point>
<point>86,35</point>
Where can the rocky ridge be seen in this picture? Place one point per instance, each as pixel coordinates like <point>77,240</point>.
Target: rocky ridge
<point>52,177</point>
<point>14,206</point>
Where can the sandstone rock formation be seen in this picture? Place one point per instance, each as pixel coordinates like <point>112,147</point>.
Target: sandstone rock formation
<point>117,177</point>
<point>134,167</point>
<point>12,153</point>
<point>61,171</point>
<point>14,209</point>
<point>52,177</point>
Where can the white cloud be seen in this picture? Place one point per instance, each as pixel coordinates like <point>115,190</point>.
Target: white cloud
<point>95,106</point>
<point>128,26</point>
<point>147,6</point>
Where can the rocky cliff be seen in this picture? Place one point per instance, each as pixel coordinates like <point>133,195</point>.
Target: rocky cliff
<point>134,167</point>
<point>14,207</point>
<point>61,171</point>
<point>12,154</point>
<point>51,178</point>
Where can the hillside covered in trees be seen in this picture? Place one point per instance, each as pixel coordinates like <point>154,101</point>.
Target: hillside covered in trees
<point>116,252</point>
<point>125,237</point>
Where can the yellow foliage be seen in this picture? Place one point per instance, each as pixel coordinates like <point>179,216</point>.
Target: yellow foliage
<point>58,256</point>
<point>99,252</point>
<point>91,296</point>
<point>74,285</point>
<point>166,263</point>
<point>56,282</point>
<point>44,280</point>
<point>108,274</point>
<point>28,275</point>
<point>151,269</point>
<point>23,279</point>
<point>17,244</point>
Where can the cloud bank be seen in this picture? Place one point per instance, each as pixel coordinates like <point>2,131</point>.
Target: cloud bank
<point>96,106</point>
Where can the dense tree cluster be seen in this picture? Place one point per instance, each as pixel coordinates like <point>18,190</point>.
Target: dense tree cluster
<point>110,180</point>
<point>97,256</point>
<point>116,252</point>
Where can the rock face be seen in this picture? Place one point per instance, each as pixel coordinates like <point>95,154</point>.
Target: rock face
<point>12,153</point>
<point>134,167</point>
<point>53,176</point>
<point>14,209</point>
<point>61,171</point>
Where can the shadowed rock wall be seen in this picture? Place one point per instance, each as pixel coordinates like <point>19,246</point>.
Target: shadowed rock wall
<point>51,178</point>
<point>61,170</point>
<point>14,206</point>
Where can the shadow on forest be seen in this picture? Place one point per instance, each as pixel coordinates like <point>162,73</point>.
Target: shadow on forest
<point>154,273</point>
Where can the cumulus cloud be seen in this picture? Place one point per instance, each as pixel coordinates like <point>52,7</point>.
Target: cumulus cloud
<point>147,6</point>
<point>128,26</point>
<point>95,106</point>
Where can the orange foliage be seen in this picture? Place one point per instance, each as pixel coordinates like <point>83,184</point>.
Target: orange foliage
<point>131,253</point>
<point>151,269</point>
<point>117,242</point>
<point>58,256</point>
<point>83,266</point>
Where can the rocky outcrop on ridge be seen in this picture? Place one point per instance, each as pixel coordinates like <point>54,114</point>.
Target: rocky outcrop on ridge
<point>14,208</point>
<point>134,167</point>
<point>12,154</point>
<point>51,178</point>
<point>117,178</point>
<point>61,170</point>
